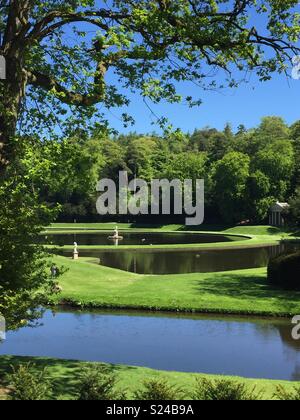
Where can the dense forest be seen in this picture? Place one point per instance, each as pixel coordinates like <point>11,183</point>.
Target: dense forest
<point>245,171</point>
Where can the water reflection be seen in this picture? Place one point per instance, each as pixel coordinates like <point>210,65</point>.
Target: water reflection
<point>258,348</point>
<point>190,261</point>
<point>136,238</point>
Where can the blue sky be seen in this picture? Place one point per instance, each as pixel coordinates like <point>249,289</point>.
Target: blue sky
<point>246,105</point>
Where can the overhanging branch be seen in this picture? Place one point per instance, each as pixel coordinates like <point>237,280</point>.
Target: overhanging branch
<point>48,24</point>
<point>65,95</point>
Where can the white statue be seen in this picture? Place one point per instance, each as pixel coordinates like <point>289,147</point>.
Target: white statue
<point>75,252</point>
<point>116,233</point>
<point>116,237</point>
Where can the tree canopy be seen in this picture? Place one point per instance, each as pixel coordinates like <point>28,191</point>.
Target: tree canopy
<point>62,53</point>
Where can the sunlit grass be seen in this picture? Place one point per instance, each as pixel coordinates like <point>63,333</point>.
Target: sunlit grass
<point>235,292</point>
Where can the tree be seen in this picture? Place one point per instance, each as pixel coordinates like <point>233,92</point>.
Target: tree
<point>25,282</point>
<point>115,159</point>
<point>259,198</point>
<point>277,162</point>
<point>294,211</point>
<point>187,165</point>
<point>295,136</point>
<point>270,130</point>
<point>140,152</point>
<point>147,44</point>
<point>229,179</point>
<point>199,140</point>
<point>76,164</point>
<point>218,146</point>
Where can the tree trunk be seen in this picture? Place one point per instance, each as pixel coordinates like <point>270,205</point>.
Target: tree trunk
<point>12,89</point>
<point>11,95</point>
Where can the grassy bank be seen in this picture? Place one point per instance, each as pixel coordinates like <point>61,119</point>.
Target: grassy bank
<point>237,292</point>
<point>64,374</point>
<point>239,230</point>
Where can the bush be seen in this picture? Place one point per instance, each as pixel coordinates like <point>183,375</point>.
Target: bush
<point>159,390</point>
<point>28,384</point>
<point>223,390</point>
<point>97,383</point>
<point>284,395</point>
<point>284,271</point>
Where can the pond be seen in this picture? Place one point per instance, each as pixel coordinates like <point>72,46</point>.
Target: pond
<point>255,348</point>
<point>168,261</point>
<point>139,238</point>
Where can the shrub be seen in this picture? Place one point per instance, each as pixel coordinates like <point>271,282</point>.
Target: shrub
<point>97,383</point>
<point>284,395</point>
<point>223,390</point>
<point>28,384</point>
<point>284,271</point>
<point>159,390</point>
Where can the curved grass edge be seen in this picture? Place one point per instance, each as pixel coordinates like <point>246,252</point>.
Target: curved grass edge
<point>241,292</point>
<point>65,374</point>
<point>76,304</point>
<point>251,236</point>
<point>248,242</point>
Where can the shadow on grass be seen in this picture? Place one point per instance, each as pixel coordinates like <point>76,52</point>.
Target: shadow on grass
<point>275,231</point>
<point>146,226</point>
<point>296,234</point>
<point>205,228</point>
<point>63,374</point>
<point>224,228</point>
<point>248,288</point>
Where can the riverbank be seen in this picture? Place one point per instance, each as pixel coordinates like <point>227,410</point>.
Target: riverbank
<point>239,230</point>
<point>64,374</point>
<point>243,292</point>
<point>242,236</point>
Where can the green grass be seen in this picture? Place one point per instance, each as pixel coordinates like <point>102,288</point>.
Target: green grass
<point>255,230</point>
<point>235,292</point>
<point>243,236</point>
<point>238,230</point>
<point>254,242</point>
<point>64,374</point>
<point>111,226</point>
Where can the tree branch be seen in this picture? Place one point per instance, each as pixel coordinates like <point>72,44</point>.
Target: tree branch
<point>49,83</point>
<point>41,28</point>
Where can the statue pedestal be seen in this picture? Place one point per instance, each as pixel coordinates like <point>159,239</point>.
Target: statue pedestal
<point>75,256</point>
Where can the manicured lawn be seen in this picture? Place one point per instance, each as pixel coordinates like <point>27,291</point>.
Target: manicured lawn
<point>238,230</point>
<point>111,226</point>
<point>65,373</point>
<point>243,230</point>
<point>236,292</point>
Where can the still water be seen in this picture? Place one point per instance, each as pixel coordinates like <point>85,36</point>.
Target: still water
<point>168,261</point>
<point>179,262</point>
<point>158,238</point>
<point>257,348</point>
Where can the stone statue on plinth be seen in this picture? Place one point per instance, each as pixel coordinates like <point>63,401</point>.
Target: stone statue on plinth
<point>75,252</point>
